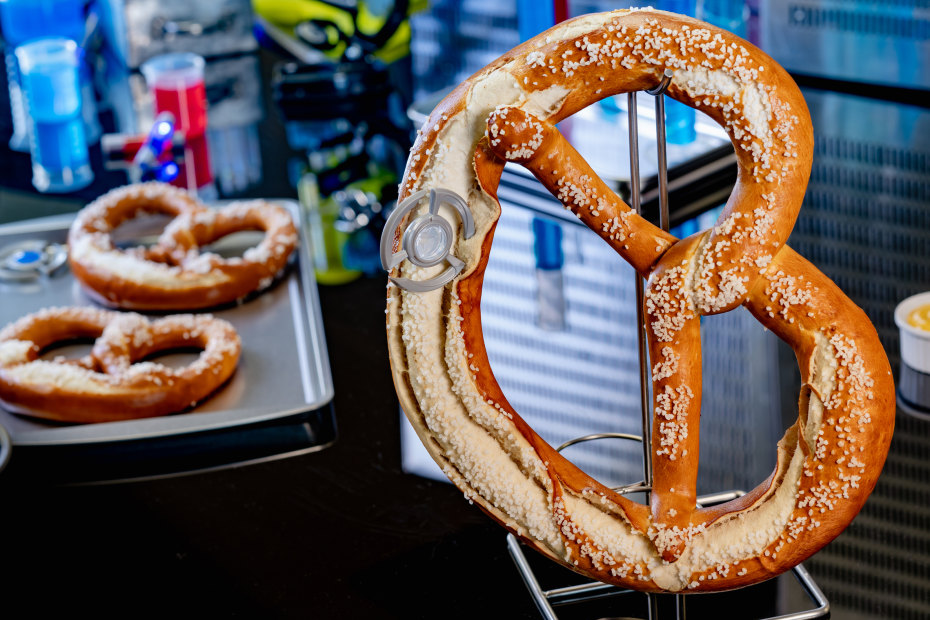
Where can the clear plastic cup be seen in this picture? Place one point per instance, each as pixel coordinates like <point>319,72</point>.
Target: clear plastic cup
<point>49,74</point>
<point>19,141</point>
<point>177,85</point>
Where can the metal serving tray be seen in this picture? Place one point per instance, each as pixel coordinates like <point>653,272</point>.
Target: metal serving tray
<point>282,386</point>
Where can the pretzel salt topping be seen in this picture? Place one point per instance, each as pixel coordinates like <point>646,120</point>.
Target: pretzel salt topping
<point>175,274</point>
<point>828,461</point>
<point>113,382</point>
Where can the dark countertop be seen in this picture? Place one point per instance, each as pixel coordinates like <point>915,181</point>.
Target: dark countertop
<point>341,532</point>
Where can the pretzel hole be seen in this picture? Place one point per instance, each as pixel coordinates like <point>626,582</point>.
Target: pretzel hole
<point>69,350</point>
<point>142,230</point>
<point>547,368</point>
<point>626,477</point>
<point>740,423</point>
<point>174,357</point>
<point>235,244</point>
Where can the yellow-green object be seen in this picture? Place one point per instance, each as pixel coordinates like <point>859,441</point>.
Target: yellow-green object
<point>326,243</point>
<point>341,23</point>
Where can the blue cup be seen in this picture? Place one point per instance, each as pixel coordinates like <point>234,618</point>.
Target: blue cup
<point>25,20</point>
<point>50,77</point>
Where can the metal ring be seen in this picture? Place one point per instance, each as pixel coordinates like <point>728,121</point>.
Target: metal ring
<point>592,437</point>
<point>636,487</point>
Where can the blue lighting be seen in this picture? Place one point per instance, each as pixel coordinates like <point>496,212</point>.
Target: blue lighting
<point>168,172</point>
<point>163,129</point>
<point>26,257</point>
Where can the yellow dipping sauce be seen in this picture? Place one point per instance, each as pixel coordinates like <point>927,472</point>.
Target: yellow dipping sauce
<point>920,318</point>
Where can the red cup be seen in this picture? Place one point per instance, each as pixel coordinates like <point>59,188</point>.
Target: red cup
<point>176,81</point>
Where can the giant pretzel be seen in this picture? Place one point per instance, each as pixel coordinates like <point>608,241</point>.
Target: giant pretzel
<point>115,381</point>
<point>175,274</point>
<point>828,462</point>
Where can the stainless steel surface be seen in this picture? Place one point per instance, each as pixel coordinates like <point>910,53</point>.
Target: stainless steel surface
<point>876,42</point>
<point>659,93</point>
<point>283,370</point>
<point>865,223</point>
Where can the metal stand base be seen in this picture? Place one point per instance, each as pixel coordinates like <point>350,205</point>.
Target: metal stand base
<point>586,592</point>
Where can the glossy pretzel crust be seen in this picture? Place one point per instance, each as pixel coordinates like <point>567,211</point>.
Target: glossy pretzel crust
<point>828,462</point>
<point>113,382</point>
<point>175,274</point>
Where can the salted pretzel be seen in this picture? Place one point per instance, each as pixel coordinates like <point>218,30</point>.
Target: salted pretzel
<point>175,274</point>
<point>114,381</point>
<point>828,461</point>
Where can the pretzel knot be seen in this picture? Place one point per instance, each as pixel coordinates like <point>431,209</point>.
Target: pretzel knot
<point>828,461</point>
<point>175,273</point>
<point>113,382</point>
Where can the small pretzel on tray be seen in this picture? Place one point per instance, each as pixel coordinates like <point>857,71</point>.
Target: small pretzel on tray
<point>113,382</point>
<point>828,461</point>
<point>175,274</point>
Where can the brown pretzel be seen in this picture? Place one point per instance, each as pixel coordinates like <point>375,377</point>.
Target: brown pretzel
<point>111,383</point>
<point>174,274</point>
<point>828,462</point>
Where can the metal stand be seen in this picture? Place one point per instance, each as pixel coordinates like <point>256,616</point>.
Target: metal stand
<point>545,599</point>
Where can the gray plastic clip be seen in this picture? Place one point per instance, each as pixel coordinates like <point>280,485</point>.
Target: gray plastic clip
<point>28,260</point>
<point>427,240</point>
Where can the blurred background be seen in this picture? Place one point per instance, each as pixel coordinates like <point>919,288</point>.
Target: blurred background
<point>319,101</point>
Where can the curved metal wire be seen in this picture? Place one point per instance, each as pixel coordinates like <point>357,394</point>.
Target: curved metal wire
<point>594,436</point>
<point>635,487</point>
<point>667,76</point>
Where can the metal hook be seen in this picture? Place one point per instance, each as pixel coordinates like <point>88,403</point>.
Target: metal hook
<point>667,76</point>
